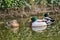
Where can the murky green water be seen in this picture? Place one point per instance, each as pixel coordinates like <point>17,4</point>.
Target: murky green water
<point>25,33</point>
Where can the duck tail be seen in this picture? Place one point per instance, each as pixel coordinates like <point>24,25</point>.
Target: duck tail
<point>52,20</point>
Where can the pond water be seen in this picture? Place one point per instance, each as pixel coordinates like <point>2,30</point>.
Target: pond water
<point>25,33</point>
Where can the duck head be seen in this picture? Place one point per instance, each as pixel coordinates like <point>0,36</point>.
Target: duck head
<point>46,14</point>
<point>33,19</point>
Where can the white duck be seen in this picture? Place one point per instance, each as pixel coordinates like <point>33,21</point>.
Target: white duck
<point>13,25</point>
<point>38,25</point>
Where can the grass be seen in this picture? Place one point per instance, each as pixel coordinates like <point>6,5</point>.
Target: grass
<point>24,33</point>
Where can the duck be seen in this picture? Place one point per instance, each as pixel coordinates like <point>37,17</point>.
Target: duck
<point>47,19</point>
<point>39,25</point>
<point>13,25</point>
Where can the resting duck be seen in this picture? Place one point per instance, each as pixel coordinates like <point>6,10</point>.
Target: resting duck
<point>13,25</point>
<point>48,19</point>
<point>39,25</point>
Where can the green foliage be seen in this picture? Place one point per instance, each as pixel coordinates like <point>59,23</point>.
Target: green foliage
<point>1,2</point>
<point>44,2</point>
<point>49,1</point>
<point>13,3</point>
<point>58,1</point>
<point>26,3</point>
<point>53,2</point>
<point>37,1</point>
<point>7,3</point>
